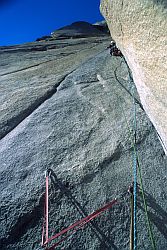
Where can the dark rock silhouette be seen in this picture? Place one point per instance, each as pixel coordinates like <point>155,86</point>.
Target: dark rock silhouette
<point>78,29</point>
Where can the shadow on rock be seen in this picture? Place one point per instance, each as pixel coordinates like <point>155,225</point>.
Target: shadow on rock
<point>106,243</point>
<point>157,215</point>
<point>24,223</point>
<point>161,2</point>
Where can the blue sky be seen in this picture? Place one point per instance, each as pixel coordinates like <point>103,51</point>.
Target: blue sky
<point>25,20</point>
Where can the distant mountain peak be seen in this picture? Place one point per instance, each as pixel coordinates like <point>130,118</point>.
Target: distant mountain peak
<point>79,29</point>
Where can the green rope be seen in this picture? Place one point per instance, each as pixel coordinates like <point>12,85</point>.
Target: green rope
<point>141,185</point>
<point>150,232</point>
<point>145,208</point>
<point>134,177</point>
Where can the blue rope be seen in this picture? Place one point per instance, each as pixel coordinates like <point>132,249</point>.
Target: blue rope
<point>136,166</point>
<point>135,180</point>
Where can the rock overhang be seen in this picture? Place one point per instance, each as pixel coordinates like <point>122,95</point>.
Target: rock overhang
<point>139,29</point>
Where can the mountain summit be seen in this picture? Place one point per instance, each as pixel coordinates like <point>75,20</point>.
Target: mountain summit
<point>79,29</point>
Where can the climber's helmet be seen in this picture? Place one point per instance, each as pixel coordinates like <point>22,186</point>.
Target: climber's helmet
<point>112,43</point>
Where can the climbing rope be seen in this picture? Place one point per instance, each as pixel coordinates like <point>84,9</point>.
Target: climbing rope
<point>136,163</point>
<point>125,88</point>
<point>46,210</point>
<point>151,236</point>
<point>81,223</point>
<point>135,169</point>
<point>72,228</point>
<point>134,178</point>
<point>130,190</point>
<point>141,186</point>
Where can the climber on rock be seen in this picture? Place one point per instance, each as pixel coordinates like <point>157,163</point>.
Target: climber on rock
<point>114,51</point>
<point>112,47</point>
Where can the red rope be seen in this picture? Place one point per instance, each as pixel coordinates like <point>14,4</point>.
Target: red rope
<point>46,214</point>
<point>76,226</point>
<point>47,209</point>
<point>43,227</point>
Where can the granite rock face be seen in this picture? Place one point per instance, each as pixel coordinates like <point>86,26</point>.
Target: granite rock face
<point>67,105</point>
<point>34,71</point>
<point>139,29</point>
